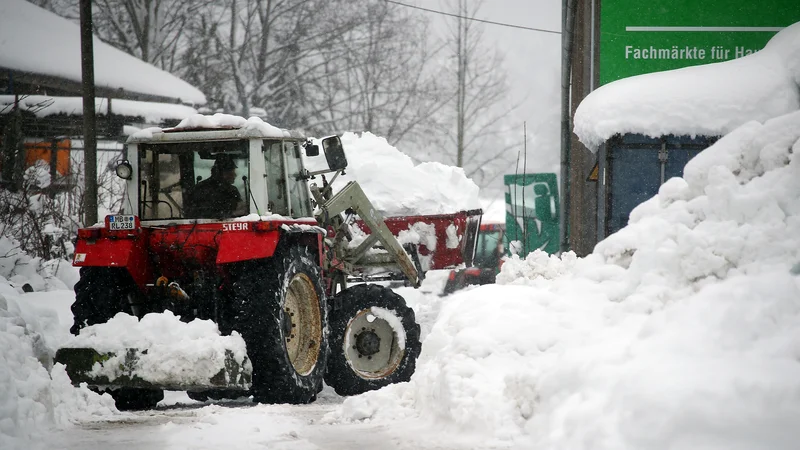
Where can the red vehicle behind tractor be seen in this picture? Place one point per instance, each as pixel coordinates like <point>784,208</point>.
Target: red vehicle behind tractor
<point>276,270</point>
<point>489,252</point>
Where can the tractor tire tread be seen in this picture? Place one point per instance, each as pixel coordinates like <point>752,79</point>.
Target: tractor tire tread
<point>340,375</point>
<point>258,299</point>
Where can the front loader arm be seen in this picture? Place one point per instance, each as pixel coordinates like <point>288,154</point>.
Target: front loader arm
<point>353,197</point>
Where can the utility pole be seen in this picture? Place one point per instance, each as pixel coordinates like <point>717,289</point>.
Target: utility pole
<point>89,119</point>
<point>567,22</point>
<point>462,48</point>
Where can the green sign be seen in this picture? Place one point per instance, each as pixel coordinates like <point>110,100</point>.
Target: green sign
<point>532,216</point>
<point>643,36</point>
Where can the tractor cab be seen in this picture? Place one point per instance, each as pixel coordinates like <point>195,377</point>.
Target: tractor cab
<point>208,175</point>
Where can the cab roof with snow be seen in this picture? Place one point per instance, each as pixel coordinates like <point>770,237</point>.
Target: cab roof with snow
<point>199,127</point>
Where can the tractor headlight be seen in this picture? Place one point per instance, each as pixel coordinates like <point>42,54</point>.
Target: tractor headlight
<point>124,170</point>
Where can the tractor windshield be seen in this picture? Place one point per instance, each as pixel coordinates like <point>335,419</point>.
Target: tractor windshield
<point>193,180</point>
<point>489,249</point>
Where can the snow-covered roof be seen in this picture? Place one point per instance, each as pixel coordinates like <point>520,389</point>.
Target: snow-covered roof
<point>709,100</point>
<point>37,41</point>
<point>44,105</point>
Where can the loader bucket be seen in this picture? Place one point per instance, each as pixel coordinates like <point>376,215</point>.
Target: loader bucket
<point>127,370</point>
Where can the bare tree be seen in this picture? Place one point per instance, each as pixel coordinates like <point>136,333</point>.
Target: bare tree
<point>379,76</point>
<point>151,30</point>
<point>261,52</point>
<point>475,135</point>
<point>316,64</point>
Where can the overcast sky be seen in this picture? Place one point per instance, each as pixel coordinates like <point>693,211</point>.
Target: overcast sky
<point>532,62</point>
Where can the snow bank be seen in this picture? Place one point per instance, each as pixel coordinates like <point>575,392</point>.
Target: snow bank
<point>35,396</point>
<point>708,100</point>
<point>33,401</point>
<point>680,331</point>
<point>397,187</point>
<point>177,352</point>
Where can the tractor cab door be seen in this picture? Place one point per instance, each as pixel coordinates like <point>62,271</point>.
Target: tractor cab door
<point>287,190</point>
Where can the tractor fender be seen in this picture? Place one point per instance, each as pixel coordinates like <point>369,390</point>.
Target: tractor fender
<point>129,253</point>
<point>250,242</point>
<point>245,245</point>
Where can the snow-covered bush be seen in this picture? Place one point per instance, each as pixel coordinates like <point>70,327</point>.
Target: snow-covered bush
<point>34,247</point>
<point>35,219</point>
<point>39,222</point>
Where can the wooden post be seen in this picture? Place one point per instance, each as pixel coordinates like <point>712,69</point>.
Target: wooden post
<point>53,167</point>
<point>89,118</point>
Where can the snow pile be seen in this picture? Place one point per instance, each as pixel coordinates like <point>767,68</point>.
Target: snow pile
<point>397,187</point>
<point>33,401</point>
<point>536,266</point>
<point>177,352</point>
<point>679,331</point>
<point>36,396</point>
<point>708,100</point>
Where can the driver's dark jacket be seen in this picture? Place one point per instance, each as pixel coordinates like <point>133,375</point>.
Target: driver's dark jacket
<point>213,198</point>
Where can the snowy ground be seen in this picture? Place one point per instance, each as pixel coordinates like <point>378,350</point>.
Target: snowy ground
<point>182,423</point>
<point>189,425</point>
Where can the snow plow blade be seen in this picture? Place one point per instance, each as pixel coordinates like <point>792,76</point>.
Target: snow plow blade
<point>126,370</point>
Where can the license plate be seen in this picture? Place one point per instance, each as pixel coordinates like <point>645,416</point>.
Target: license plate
<point>121,222</point>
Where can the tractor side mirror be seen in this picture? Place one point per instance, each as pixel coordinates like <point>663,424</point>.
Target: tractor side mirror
<point>334,153</point>
<point>311,149</point>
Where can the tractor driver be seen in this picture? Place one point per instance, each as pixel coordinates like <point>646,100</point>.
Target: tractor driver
<point>217,197</point>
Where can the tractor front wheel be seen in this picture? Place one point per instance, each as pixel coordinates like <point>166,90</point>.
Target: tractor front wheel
<point>374,340</point>
<point>100,294</point>
<point>281,314</point>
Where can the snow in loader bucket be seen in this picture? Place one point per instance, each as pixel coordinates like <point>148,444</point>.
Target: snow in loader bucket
<point>132,368</point>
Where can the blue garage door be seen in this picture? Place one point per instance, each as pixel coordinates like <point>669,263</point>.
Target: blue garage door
<point>638,165</point>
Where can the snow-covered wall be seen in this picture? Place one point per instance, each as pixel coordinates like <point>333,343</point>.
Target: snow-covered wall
<point>709,100</point>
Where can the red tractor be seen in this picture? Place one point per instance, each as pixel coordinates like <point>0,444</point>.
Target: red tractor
<point>270,257</point>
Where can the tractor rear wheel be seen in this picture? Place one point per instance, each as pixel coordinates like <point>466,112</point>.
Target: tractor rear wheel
<point>100,294</point>
<point>281,313</point>
<point>374,340</point>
